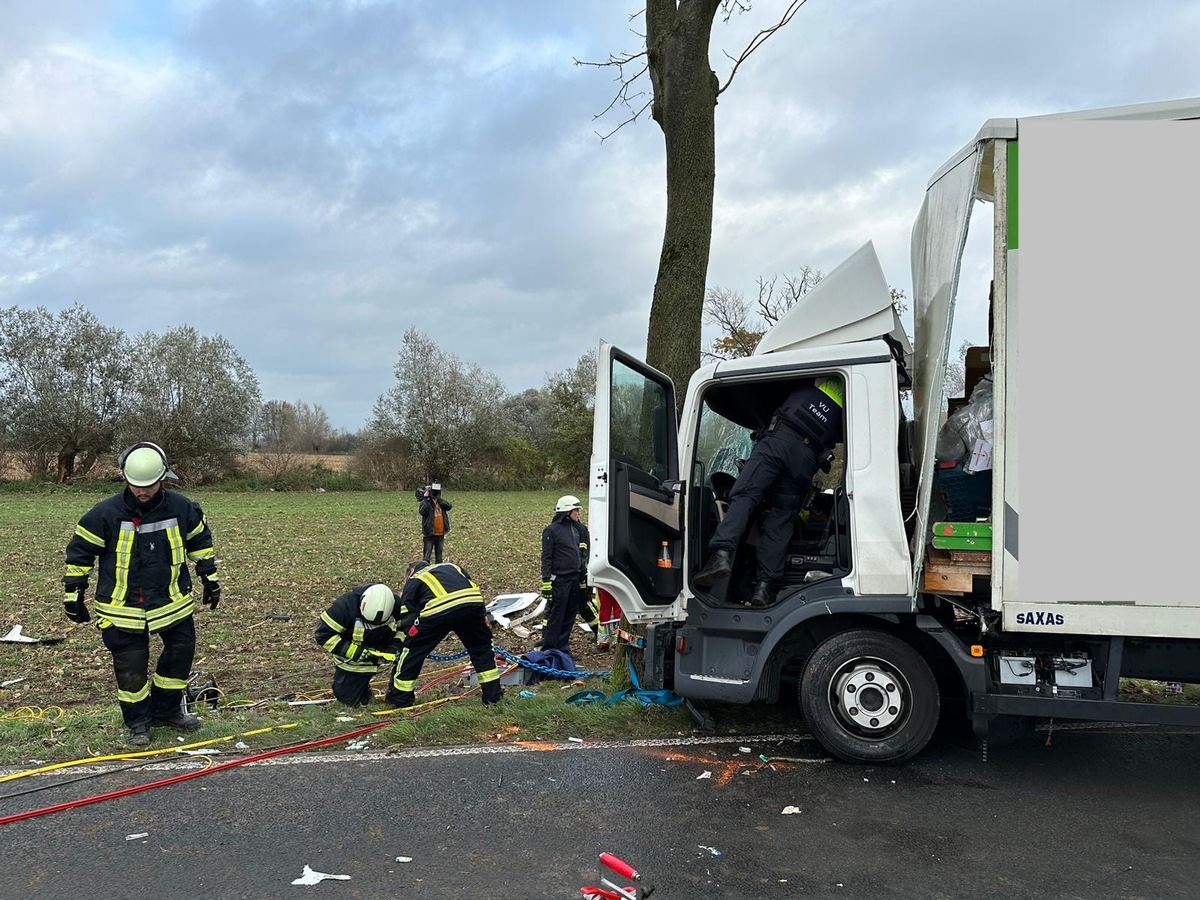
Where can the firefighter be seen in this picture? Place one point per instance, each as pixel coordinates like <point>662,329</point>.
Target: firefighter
<point>139,543</point>
<point>359,631</point>
<point>436,600</point>
<point>565,544</point>
<point>778,476</point>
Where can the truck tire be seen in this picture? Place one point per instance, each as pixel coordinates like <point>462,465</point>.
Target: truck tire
<point>868,697</point>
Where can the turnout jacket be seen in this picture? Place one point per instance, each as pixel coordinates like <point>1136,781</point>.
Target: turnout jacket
<point>342,631</point>
<point>565,549</point>
<point>437,589</point>
<point>140,559</point>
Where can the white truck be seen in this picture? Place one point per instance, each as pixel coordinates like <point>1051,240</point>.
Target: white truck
<point>890,612</point>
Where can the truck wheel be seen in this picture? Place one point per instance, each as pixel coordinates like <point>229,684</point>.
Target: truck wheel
<point>869,697</point>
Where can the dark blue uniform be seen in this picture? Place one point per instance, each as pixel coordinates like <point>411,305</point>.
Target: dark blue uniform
<point>780,471</point>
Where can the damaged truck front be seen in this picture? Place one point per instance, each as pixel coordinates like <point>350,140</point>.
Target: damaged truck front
<point>902,601</point>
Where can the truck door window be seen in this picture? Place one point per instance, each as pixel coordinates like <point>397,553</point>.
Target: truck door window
<point>638,423</point>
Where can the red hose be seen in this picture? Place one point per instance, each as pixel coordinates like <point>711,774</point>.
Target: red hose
<point>175,779</point>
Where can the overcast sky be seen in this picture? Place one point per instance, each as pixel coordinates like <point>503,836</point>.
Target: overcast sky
<point>310,179</point>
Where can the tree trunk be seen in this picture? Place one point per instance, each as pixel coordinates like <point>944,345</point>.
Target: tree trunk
<point>685,99</point>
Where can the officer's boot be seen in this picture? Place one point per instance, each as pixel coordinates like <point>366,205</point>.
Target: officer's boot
<point>719,564</point>
<point>764,594</point>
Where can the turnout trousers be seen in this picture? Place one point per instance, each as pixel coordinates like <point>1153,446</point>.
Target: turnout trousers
<point>469,623</point>
<point>779,471</point>
<point>564,604</point>
<point>143,698</point>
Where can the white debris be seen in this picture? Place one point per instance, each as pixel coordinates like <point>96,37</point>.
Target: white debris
<point>134,837</point>
<point>403,859</point>
<point>203,751</point>
<point>790,811</point>
<point>704,774</point>
<point>311,877</point>
<point>358,745</point>
<point>713,850</point>
<point>242,745</point>
<point>575,740</point>
<point>743,749</point>
<point>15,636</point>
<point>344,719</point>
<point>4,684</point>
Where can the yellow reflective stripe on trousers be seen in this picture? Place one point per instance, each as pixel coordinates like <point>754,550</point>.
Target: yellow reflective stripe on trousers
<point>361,668</point>
<point>488,675</point>
<point>397,683</point>
<point>134,696</point>
<point>170,684</point>
<point>76,571</point>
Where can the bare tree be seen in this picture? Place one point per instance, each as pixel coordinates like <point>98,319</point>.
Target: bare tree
<point>684,91</point>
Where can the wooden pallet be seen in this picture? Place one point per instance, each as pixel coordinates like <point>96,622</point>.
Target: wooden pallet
<point>954,571</point>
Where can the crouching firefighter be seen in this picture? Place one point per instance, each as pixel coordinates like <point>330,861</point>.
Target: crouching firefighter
<point>360,631</point>
<point>436,600</point>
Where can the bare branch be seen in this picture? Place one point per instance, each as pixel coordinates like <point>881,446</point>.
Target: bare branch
<point>758,40</point>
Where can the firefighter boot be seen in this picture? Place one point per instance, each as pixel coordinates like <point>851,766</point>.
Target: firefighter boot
<point>139,735</point>
<point>180,720</point>
<point>719,564</point>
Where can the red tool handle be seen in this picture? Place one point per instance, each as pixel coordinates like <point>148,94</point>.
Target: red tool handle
<point>622,868</point>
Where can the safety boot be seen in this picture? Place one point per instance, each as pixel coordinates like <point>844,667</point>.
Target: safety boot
<point>179,720</point>
<point>764,594</point>
<point>139,735</point>
<point>719,565</point>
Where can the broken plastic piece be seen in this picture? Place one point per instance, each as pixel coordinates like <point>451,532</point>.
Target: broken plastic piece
<point>311,877</point>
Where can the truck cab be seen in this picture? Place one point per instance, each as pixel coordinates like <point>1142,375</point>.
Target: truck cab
<point>893,605</point>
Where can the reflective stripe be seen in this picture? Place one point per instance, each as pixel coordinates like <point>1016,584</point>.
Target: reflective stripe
<point>397,683</point>
<point>832,388</point>
<point>127,618</point>
<point>122,553</point>
<point>202,553</point>
<point>134,696</point>
<point>170,684</point>
<point>488,675</point>
<point>443,599</point>
<point>77,571</point>
<point>176,611</point>
<point>361,668</point>
<point>329,620</point>
<point>199,528</point>
<point>88,536</point>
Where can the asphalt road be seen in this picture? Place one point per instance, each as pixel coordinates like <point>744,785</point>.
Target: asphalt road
<point>1104,812</point>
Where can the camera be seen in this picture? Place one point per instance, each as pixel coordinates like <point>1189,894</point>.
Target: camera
<point>429,491</point>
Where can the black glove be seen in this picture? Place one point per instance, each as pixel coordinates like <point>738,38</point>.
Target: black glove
<point>74,606</point>
<point>547,590</point>
<point>358,653</point>
<point>212,592</point>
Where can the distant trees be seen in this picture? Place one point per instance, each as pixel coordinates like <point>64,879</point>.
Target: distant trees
<point>444,419</point>
<point>74,391</point>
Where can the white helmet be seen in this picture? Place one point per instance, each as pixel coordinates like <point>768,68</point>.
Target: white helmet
<point>144,464</point>
<point>377,604</point>
<point>567,503</point>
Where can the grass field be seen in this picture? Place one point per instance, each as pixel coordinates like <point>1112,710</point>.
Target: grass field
<point>283,555</point>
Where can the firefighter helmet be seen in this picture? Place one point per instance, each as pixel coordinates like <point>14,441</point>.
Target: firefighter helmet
<point>567,503</point>
<point>144,464</point>
<point>377,604</point>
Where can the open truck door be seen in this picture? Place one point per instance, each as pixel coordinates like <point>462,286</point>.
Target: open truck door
<point>635,498</point>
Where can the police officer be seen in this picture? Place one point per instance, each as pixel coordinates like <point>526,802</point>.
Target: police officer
<point>138,544</point>
<point>359,631</point>
<point>778,474</point>
<point>436,600</point>
<point>565,544</point>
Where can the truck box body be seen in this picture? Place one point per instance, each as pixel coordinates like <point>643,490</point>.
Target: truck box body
<point>1082,583</point>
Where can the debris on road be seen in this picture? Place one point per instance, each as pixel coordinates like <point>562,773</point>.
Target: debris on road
<point>790,811</point>
<point>311,877</point>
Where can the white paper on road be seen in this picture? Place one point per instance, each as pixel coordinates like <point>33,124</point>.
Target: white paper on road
<point>311,877</point>
<point>790,810</point>
<point>403,859</point>
<point>713,850</point>
<point>134,837</point>
<point>705,774</point>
